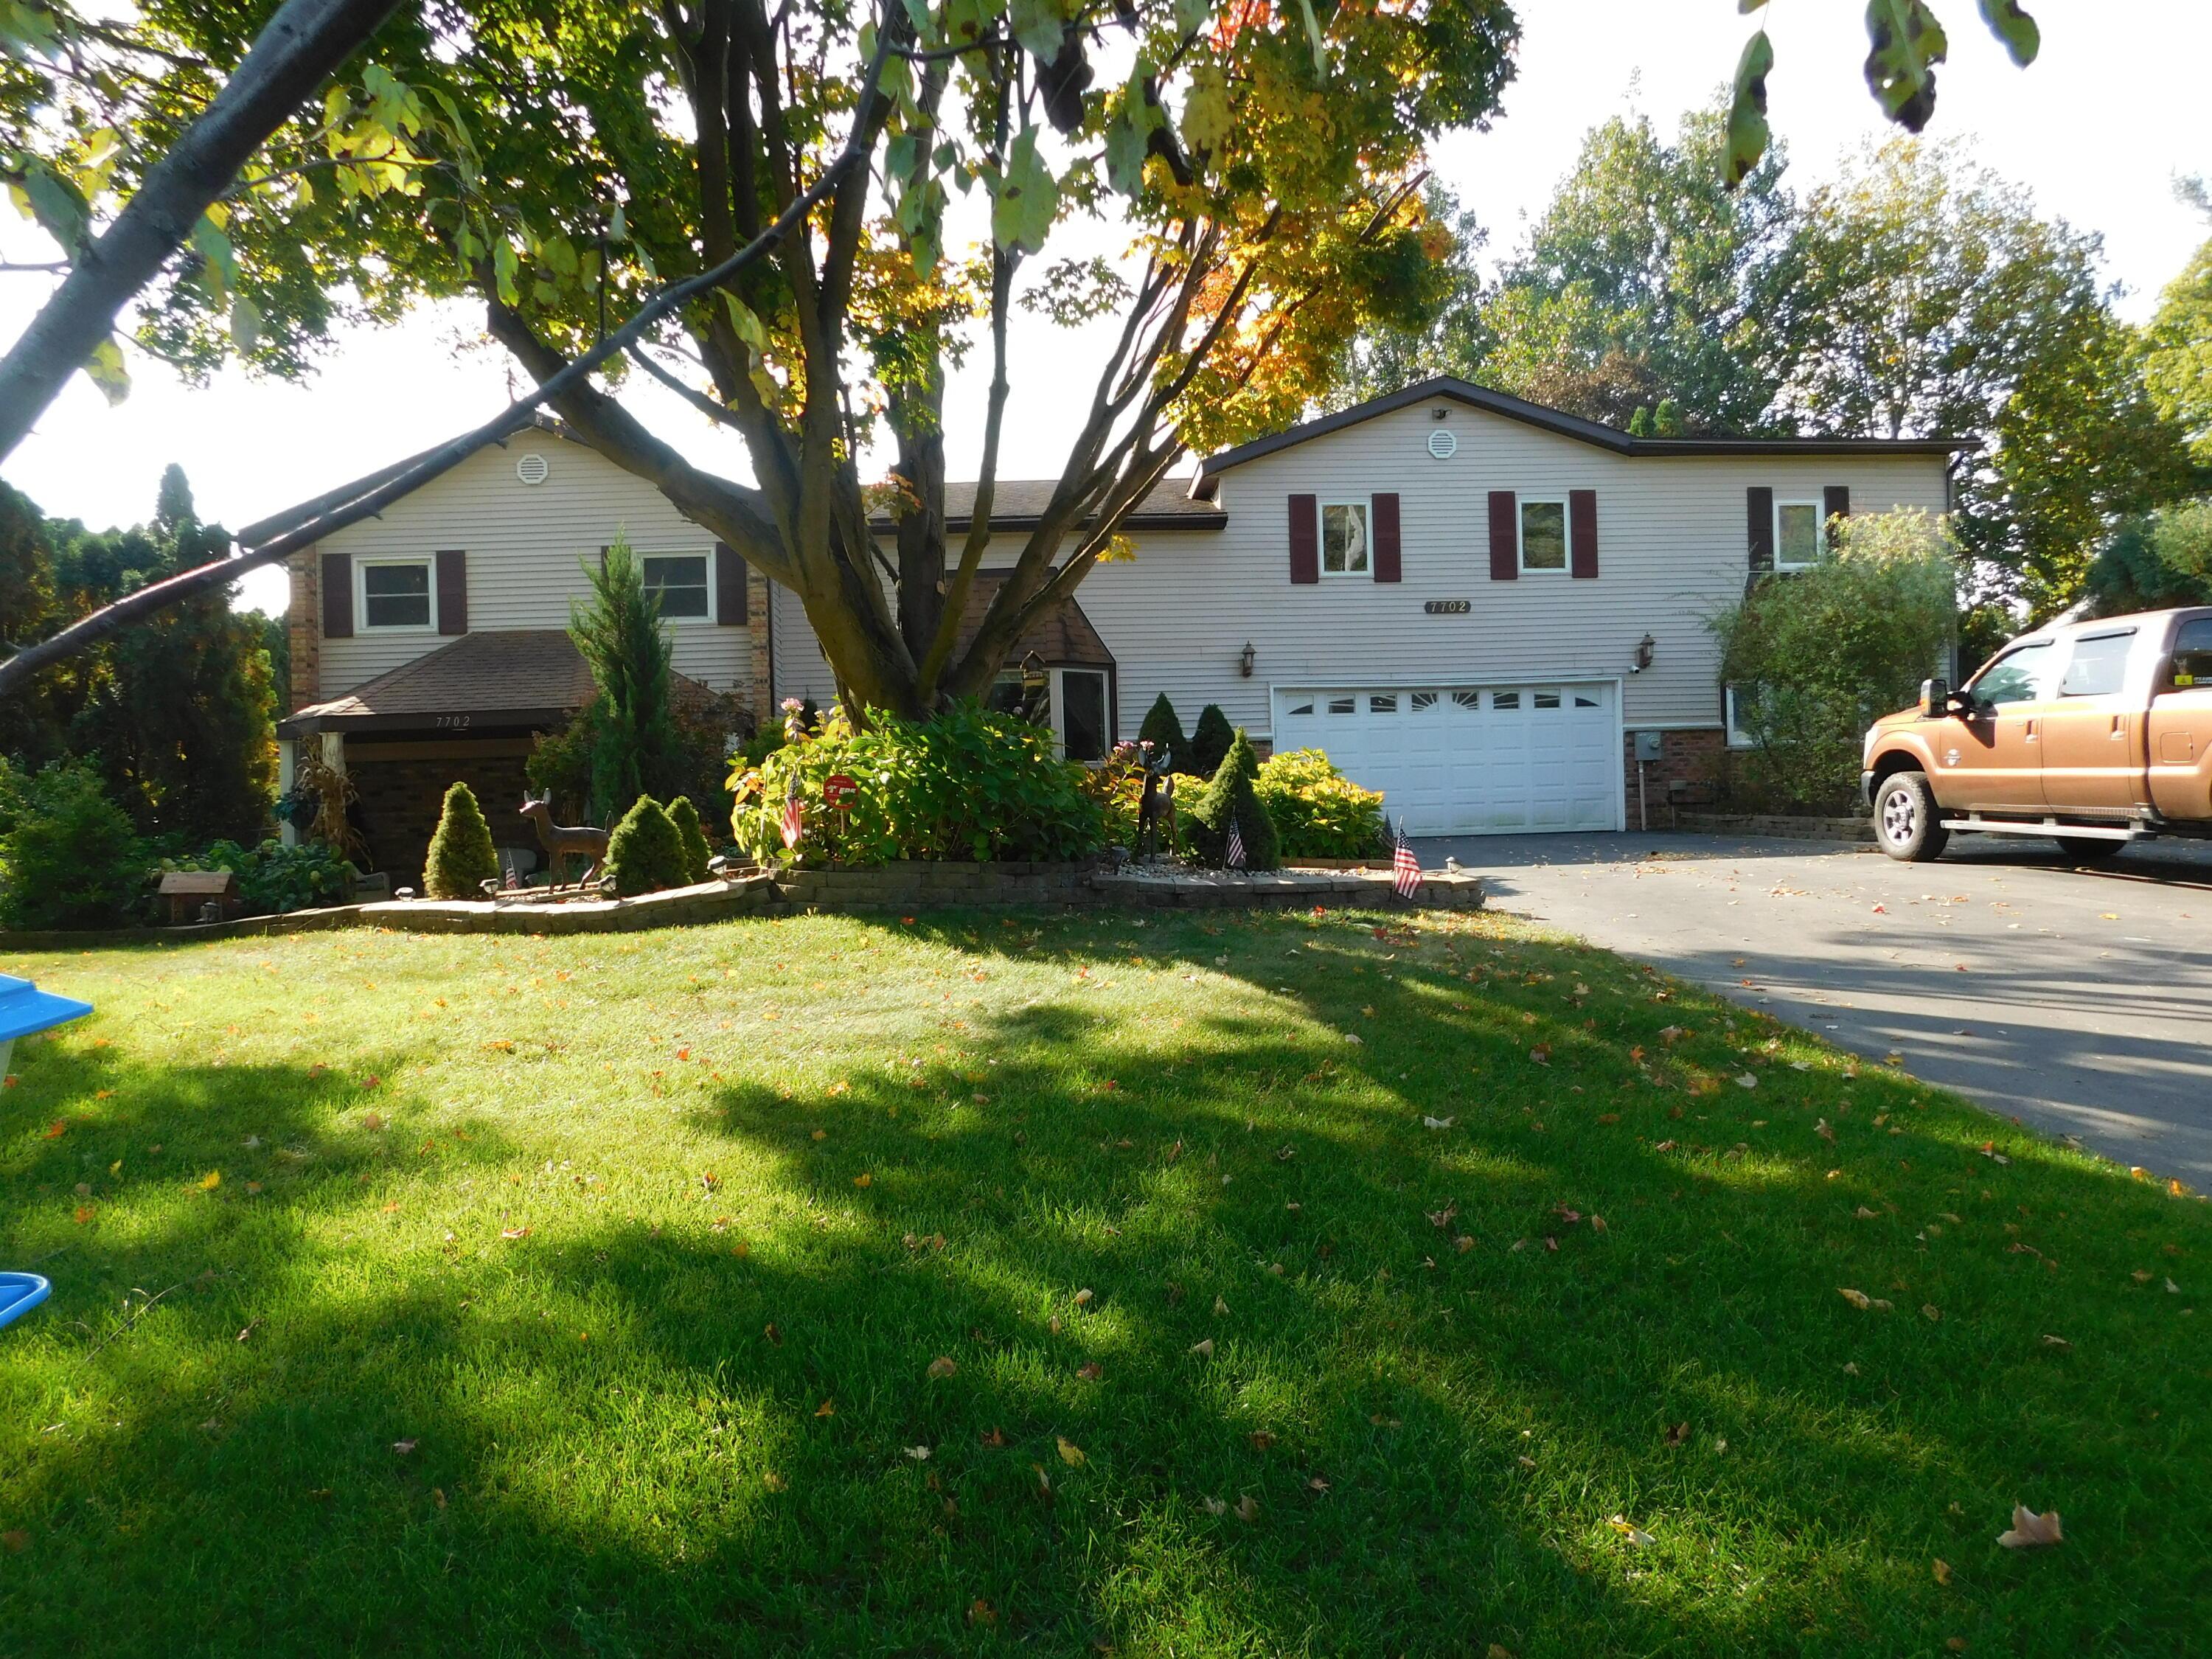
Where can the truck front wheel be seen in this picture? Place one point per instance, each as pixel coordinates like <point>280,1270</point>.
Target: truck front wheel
<point>1906,818</point>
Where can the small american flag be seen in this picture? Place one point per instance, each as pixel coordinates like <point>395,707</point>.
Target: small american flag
<point>1234,858</point>
<point>794,818</point>
<point>1405,868</point>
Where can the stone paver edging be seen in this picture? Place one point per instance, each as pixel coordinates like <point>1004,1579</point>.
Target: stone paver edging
<point>887,889</point>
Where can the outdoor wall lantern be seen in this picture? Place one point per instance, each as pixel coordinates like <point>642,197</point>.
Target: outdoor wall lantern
<point>1245,659</point>
<point>1645,648</point>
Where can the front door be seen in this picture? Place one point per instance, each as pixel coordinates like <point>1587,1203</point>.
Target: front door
<point>1991,758</point>
<point>2093,758</point>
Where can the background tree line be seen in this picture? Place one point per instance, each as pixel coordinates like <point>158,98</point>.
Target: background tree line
<point>1918,293</point>
<point>177,716</point>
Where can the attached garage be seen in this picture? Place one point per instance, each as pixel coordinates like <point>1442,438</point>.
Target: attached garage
<point>1470,760</point>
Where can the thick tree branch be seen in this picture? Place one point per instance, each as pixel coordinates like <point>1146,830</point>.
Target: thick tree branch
<point>303,44</point>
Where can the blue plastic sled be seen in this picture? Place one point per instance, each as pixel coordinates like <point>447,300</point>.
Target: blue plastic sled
<point>24,1009</point>
<point>19,1294</point>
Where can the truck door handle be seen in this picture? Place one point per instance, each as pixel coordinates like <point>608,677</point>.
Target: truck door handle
<point>2031,730</point>
<point>2119,728</point>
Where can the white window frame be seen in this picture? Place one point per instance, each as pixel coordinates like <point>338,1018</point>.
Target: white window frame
<point>1366,505</point>
<point>682,553</point>
<point>1521,506</point>
<point>1819,534</point>
<point>1738,736</point>
<point>425,561</point>
<point>1056,709</point>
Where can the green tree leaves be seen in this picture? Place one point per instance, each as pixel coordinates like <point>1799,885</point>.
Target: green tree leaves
<point>1025,197</point>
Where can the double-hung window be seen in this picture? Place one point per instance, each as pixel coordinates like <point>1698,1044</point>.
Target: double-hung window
<point>678,581</point>
<point>1543,536</point>
<point>1800,535</point>
<point>397,594</point>
<point>1344,540</point>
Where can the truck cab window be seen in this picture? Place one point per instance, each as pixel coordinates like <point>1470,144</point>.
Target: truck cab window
<point>2100,666</point>
<point>2192,654</point>
<point>2017,676</point>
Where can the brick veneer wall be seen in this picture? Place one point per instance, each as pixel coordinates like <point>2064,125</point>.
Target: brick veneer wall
<point>304,625</point>
<point>400,800</point>
<point>1695,758</point>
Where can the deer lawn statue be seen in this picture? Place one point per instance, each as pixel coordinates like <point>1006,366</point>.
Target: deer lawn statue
<point>560,840</point>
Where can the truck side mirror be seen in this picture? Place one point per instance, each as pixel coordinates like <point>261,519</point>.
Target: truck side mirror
<point>1934,698</point>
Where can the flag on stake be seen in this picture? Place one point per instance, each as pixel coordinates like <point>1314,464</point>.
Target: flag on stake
<point>1405,868</point>
<point>1234,857</point>
<point>794,818</point>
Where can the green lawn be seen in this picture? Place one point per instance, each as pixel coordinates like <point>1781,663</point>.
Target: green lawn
<point>426,1295</point>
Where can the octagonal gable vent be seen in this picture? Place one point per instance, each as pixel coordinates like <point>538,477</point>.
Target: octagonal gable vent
<point>532,469</point>
<point>1443,444</point>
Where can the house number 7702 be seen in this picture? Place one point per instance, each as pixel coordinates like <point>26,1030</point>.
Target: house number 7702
<point>449,722</point>
<point>1446,607</point>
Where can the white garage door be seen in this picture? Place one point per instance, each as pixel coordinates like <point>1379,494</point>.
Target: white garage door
<point>1470,760</point>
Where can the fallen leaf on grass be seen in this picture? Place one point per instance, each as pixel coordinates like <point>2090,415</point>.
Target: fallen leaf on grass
<point>774,1481</point>
<point>942,1366</point>
<point>1204,1349</point>
<point>1090,1372</point>
<point>1930,1311</point>
<point>1214,1506</point>
<point>1262,1439</point>
<point>1942,1571</point>
<point>1858,1299</point>
<point>1822,1130</point>
<point>1070,1453</point>
<point>2050,1342</point>
<point>1677,1435</point>
<point>920,1453</point>
<point>2030,1530</point>
<point>514,1232</point>
<point>15,1541</point>
<point>1220,1308</point>
<point>1542,1053</point>
<point>404,1447</point>
<point>1748,1080</point>
<point>1635,1535</point>
<point>1248,1508</point>
<point>980,1611</point>
<point>1438,1122</point>
<point>1083,1298</point>
<point>372,1121</point>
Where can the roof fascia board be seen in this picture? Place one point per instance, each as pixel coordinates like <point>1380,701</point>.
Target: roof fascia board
<point>1450,389</point>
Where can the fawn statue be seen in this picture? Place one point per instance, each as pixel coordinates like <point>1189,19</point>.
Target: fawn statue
<point>561,840</point>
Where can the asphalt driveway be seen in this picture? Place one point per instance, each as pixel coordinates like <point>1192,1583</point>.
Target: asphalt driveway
<point>2077,1000</point>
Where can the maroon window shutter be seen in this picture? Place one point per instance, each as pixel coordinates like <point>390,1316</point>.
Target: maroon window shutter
<point>1305,539</point>
<point>337,596</point>
<point>1504,536</point>
<point>1387,562</point>
<point>1758,524</point>
<point>1835,502</point>
<point>452,592</point>
<point>1582,532</point>
<point>729,586</point>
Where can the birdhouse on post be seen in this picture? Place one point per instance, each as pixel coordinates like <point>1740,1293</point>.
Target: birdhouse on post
<point>189,896</point>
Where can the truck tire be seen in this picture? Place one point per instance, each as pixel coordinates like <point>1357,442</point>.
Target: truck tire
<point>2088,849</point>
<point>1906,818</point>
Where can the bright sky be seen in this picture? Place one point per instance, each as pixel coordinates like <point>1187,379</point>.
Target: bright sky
<point>2098,131</point>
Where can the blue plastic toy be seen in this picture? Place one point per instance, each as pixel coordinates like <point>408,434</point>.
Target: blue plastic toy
<point>24,1009</point>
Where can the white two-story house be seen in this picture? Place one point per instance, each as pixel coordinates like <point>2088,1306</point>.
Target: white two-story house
<point>1487,608</point>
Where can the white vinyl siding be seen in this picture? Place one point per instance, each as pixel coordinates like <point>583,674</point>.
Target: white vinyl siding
<point>528,546</point>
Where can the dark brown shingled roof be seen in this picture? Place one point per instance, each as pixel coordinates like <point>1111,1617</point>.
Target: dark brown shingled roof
<point>522,678</point>
<point>1062,636</point>
<point>1016,503</point>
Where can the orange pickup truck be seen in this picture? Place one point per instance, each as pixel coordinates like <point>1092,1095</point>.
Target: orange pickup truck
<point>2094,734</point>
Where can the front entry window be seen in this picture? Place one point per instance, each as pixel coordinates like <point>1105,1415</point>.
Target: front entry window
<point>2018,677</point>
<point>1079,714</point>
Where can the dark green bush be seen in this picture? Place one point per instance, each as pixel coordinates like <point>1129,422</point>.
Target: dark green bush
<point>685,817</point>
<point>1162,729</point>
<point>69,856</point>
<point>1230,797</point>
<point>461,857</point>
<point>1209,742</point>
<point>645,853</point>
<point>971,784</point>
<point>273,877</point>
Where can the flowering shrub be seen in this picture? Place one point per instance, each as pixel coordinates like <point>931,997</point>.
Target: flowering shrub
<point>971,784</point>
<point>1319,813</point>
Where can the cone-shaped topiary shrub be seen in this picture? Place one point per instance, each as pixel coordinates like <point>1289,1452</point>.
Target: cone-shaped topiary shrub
<point>1229,798</point>
<point>1162,729</point>
<point>644,854</point>
<point>1209,742</point>
<point>685,817</point>
<point>461,857</point>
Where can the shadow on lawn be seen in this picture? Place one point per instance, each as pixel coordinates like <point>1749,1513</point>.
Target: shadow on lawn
<point>598,1409</point>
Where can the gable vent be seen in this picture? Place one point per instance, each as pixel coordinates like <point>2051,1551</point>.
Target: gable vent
<point>1443,444</point>
<point>532,469</point>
